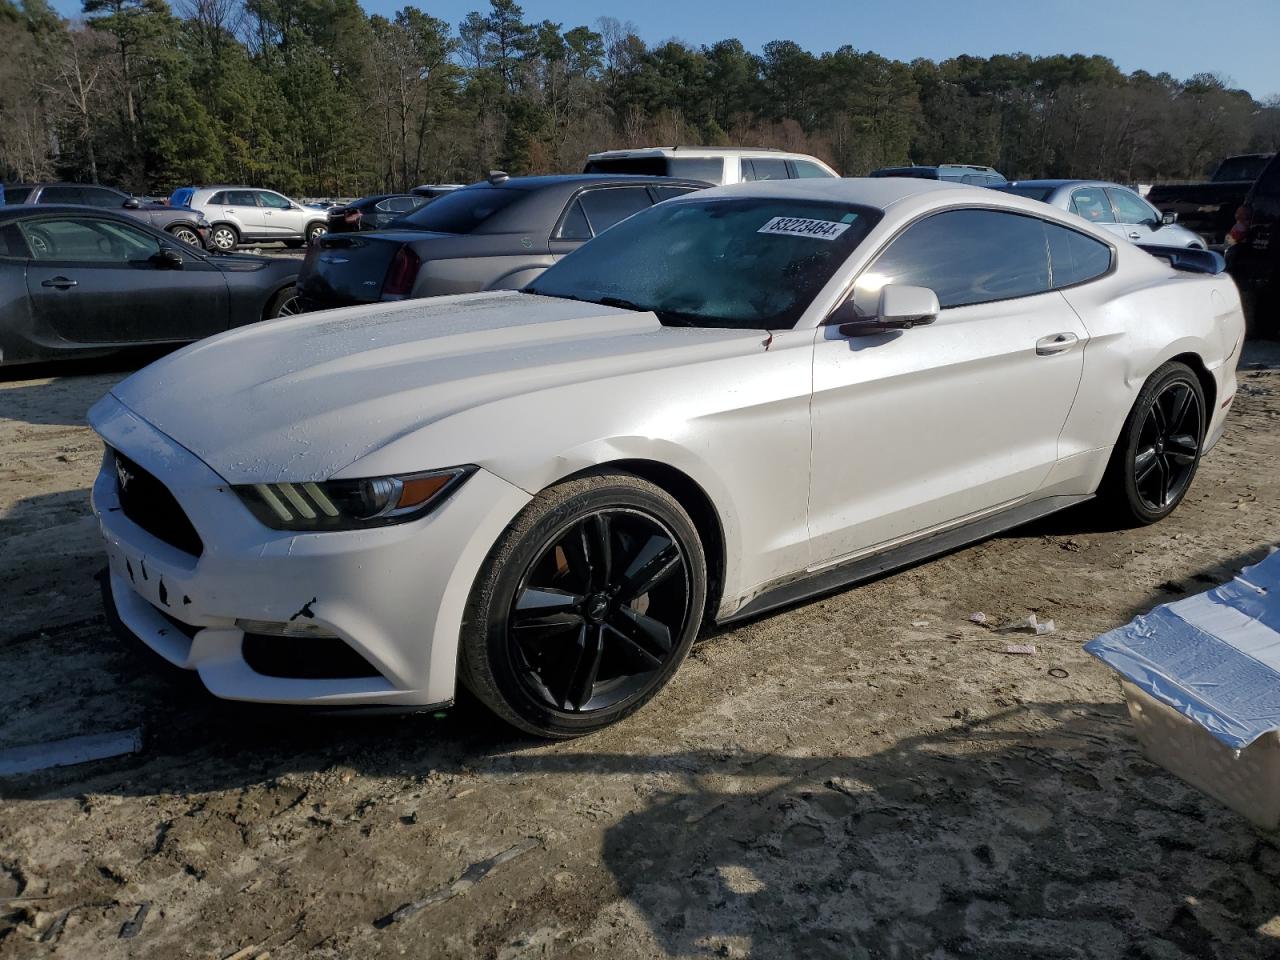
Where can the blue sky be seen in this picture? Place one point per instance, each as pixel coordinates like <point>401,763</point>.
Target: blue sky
<point>1237,39</point>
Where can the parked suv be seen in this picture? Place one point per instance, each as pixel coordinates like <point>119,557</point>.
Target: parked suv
<point>189,226</point>
<point>243,214</point>
<point>970,173</point>
<point>717,165</point>
<point>1253,251</point>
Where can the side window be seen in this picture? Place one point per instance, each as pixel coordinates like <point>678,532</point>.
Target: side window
<point>1075,258</point>
<point>1092,204</point>
<point>806,169</point>
<point>398,205</point>
<point>87,240</point>
<point>767,168</point>
<point>666,193</point>
<point>574,226</point>
<point>965,257</point>
<point>748,171</point>
<point>218,199</point>
<point>98,197</point>
<point>62,195</point>
<point>12,243</point>
<point>1131,208</point>
<point>272,200</point>
<point>606,207</point>
<point>240,198</point>
<point>1268,184</point>
<point>710,169</point>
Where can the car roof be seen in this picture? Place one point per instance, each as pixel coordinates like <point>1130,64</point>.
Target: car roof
<point>684,151</point>
<point>1060,183</point>
<point>575,180</point>
<point>9,210</point>
<point>41,184</point>
<point>878,192</point>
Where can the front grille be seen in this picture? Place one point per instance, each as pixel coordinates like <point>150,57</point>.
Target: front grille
<point>304,658</point>
<point>148,503</point>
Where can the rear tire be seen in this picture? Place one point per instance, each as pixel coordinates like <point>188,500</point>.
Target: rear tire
<point>224,237</point>
<point>315,230</point>
<point>585,607</point>
<point>1158,452</point>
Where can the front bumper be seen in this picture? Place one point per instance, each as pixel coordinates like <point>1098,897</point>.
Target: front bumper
<point>395,595</point>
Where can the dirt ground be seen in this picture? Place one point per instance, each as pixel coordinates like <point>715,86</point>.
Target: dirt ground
<point>866,776</point>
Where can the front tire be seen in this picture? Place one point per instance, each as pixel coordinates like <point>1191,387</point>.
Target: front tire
<point>585,607</point>
<point>1159,448</point>
<point>188,236</point>
<point>284,304</point>
<point>316,230</point>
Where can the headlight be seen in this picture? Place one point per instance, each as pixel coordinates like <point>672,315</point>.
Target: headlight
<point>350,504</point>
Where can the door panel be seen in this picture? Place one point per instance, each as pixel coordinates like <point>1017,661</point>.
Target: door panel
<point>241,207</point>
<point>92,281</point>
<point>918,428</point>
<point>279,218</point>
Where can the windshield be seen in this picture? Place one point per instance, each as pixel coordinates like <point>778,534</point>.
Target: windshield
<point>461,211</point>
<point>1240,168</point>
<point>1030,192</point>
<point>746,263</point>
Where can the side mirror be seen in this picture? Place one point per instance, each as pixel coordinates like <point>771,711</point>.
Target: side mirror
<point>901,308</point>
<point>1168,218</point>
<point>167,259</point>
<point>132,203</point>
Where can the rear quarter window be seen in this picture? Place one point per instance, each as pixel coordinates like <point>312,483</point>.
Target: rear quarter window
<point>469,210</point>
<point>1075,258</point>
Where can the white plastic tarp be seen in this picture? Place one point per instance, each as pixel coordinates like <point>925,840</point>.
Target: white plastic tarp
<point>1214,657</point>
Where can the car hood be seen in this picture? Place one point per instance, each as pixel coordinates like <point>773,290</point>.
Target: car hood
<point>302,399</point>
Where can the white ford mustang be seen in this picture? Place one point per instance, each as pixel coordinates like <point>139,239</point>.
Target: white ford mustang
<point>732,401</point>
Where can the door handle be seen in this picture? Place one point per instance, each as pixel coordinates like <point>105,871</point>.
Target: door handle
<point>62,283</point>
<point>1135,236</point>
<point>1055,343</point>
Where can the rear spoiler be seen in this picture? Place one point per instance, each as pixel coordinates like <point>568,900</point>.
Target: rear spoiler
<point>1190,259</point>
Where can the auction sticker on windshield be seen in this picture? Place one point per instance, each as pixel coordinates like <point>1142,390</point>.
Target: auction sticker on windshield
<point>801,227</point>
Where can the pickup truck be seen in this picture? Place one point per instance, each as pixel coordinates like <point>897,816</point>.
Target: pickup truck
<point>1209,208</point>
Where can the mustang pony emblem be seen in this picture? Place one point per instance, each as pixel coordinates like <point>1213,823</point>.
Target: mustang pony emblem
<point>123,475</point>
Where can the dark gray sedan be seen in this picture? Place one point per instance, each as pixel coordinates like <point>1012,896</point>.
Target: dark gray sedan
<point>496,235</point>
<point>182,223</point>
<point>1110,206</point>
<point>81,281</point>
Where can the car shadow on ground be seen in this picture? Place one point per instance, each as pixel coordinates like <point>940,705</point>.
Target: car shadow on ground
<point>1039,831</point>
<point>1035,831</point>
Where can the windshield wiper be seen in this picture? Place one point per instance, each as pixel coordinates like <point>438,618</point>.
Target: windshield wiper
<point>668,318</point>
<point>620,303</point>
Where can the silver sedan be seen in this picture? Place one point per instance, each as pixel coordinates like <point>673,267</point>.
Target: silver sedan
<point>1110,206</point>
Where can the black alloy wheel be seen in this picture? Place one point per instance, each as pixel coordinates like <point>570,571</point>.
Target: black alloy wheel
<point>586,606</point>
<point>1158,452</point>
<point>597,614</point>
<point>1168,447</point>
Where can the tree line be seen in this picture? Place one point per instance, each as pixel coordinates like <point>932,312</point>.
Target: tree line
<point>317,97</point>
